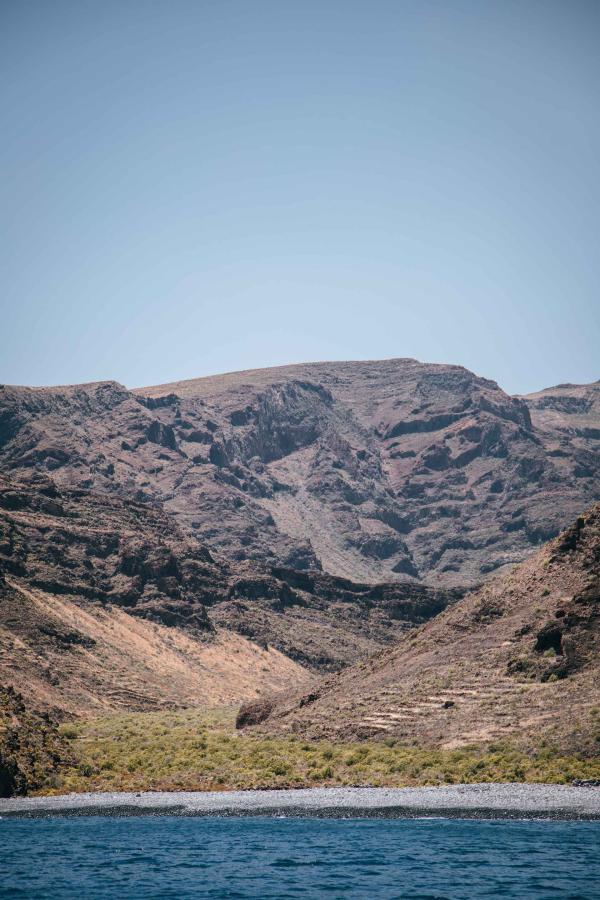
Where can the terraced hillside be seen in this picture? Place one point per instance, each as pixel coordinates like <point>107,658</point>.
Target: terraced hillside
<point>214,540</point>
<point>516,660</point>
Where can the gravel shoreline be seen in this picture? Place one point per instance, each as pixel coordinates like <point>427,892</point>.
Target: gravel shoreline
<point>489,801</point>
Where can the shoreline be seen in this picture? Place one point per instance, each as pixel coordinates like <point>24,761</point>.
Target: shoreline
<point>474,801</point>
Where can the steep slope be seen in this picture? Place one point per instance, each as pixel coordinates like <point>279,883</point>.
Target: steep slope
<point>372,471</point>
<point>87,659</point>
<point>516,659</point>
<point>105,603</point>
<point>569,412</point>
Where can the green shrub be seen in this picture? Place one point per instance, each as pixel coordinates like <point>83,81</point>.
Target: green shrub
<point>195,750</point>
<point>68,730</point>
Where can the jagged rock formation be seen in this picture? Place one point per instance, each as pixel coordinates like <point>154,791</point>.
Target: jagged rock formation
<point>373,471</point>
<point>298,518</point>
<point>517,659</point>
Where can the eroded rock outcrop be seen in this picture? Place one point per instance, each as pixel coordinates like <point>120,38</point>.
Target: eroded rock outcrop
<point>101,551</point>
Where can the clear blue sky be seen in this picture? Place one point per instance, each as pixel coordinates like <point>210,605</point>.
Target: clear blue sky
<point>191,187</point>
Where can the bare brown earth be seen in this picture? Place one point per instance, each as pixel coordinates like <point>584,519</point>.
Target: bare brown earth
<point>373,471</point>
<point>517,659</point>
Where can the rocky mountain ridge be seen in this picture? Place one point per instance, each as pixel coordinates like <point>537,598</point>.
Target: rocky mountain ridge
<point>371,471</point>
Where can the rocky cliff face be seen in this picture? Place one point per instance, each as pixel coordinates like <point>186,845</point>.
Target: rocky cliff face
<point>32,751</point>
<point>372,471</point>
<point>516,660</point>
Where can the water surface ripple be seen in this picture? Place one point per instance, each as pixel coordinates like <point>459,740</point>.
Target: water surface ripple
<point>130,858</point>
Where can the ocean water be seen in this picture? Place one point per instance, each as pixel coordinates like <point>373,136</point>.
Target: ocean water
<point>162,857</point>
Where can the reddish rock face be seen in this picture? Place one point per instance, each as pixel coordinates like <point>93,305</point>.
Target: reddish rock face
<point>374,471</point>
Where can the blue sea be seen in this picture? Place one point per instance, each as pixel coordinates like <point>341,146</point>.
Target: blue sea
<point>147,857</point>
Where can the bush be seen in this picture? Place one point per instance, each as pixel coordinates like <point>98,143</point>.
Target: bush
<point>254,713</point>
<point>68,730</point>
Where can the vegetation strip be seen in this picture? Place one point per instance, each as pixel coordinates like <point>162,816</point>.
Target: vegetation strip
<point>195,750</point>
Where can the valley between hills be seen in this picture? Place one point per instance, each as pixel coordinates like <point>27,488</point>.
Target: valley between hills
<point>390,563</point>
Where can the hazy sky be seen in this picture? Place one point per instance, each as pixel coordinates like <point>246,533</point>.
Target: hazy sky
<point>192,187</point>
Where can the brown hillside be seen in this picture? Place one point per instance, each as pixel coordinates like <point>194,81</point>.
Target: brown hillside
<point>517,659</point>
<point>85,659</point>
<point>105,603</point>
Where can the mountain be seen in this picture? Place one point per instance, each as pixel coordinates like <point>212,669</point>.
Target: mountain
<point>105,603</point>
<point>369,471</point>
<point>515,660</point>
<point>214,540</point>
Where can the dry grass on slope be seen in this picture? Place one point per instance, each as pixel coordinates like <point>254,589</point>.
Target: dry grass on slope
<point>93,660</point>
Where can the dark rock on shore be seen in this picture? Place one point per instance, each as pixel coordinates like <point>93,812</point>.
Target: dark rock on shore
<point>32,751</point>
